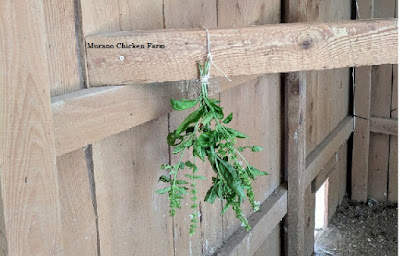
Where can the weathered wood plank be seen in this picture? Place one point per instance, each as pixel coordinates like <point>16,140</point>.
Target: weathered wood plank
<point>130,214</point>
<point>87,116</point>
<point>66,46</point>
<point>393,170</point>
<point>343,160</point>
<point>362,111</point>
<point>324,174</point>
<point>209,233</point>
<point>383,125</point>
<point>28,159</point>
<point>360,161</point>
<point>262,222</point>
<point>295,159</point>
<point>378,166</point>
<point>242,51</point>
<point>251,100</point>
<point>394,108</point>
<point>309,198</point>
<point>317,159</point>
<point>77,210</point>
<point>272,245</point>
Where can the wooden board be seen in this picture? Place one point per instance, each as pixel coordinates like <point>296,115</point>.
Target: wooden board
<point>393,170</point>
<point>383,125</point>
<point>317,159</point>
<point>28,159</point>
<point>255,102</point>
<point>66,46</point>
<point>87,116</point>
<point>360,161</point>
<point>309,215</point>
<point>333,192</point>
<point>378,166</point>
<point>295,159</point>
<point>131,216</point>
<point>208,236</point>
<point>77,208</point>
<point>243,51</point>
<point>394,108</point>
<point>263,223</point>
<point>272,245</point>
<point>126,164</point>
<point>343,155</point>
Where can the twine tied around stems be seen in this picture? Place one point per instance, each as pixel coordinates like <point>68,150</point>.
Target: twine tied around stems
<point>204,78</point>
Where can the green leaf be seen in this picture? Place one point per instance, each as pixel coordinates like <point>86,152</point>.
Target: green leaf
<point>183,104</point>
<point>205,139</point>
<point>226,206</point>
<point>172,137</point>
<point>180,182</point>
<point>237,133</point>
<point>240,149</point>
<point>164,178</point>
<point>256,148</point>
<point>228,118</point>
<point>211,195</point>
<point>164,190</point>
<point>190,164</point>
<point>192,118</point>
<point>179,148</point>
<point>253,172</point>
<point>208,118</point>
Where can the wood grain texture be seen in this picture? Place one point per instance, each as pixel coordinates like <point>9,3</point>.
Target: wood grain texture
<point>263,223</point>
<point>323,175</point>
<point>383,125</point>
<point>378,166</point>
<point>77,210</point>
<point>249,103</point>
<point>295,159</point>
<point>131,216</point>
<point>272,245</point>
<point>242,51</point>
<point>309,215</point>
<point>65,67</point>
<point>253,100</point>
<point>28,160</point>
<point>67,71</point>
<point>209,233</point>
<point>333,192</point>
<point>90,115</point>
<point>360,161</point>
<point>395,105</point>
<point>317,159</point>
<point>328,90</point>
<point>362,92</point>
<point>343,160</point>
<point>393,170</point>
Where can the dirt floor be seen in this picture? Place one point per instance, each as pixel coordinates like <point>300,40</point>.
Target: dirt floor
<point>360,229</point>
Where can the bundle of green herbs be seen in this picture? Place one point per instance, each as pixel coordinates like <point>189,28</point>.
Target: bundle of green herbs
<point>203,133</point>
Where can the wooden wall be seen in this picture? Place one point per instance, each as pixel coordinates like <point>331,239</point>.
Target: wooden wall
<point>103,194</point>
<point>374,167</point>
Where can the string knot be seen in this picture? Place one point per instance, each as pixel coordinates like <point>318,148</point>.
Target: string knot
<point>209,57</point>
<point>204,79</point>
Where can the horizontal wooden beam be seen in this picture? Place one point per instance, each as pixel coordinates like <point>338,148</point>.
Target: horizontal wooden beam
<point>240,51</point>
<point>86,116</point>
<point>383,125</point>
<point>317,159</point>
<point>262,223</point>
<point>324,174</point>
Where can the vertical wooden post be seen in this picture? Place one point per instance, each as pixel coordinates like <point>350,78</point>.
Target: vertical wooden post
<point>295,144</point>
<point>28,159</point>
<point>295,155</point>
<point>362,106</point>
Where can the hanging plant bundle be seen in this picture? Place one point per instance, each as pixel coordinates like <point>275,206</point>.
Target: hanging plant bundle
<point>204,135</point>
